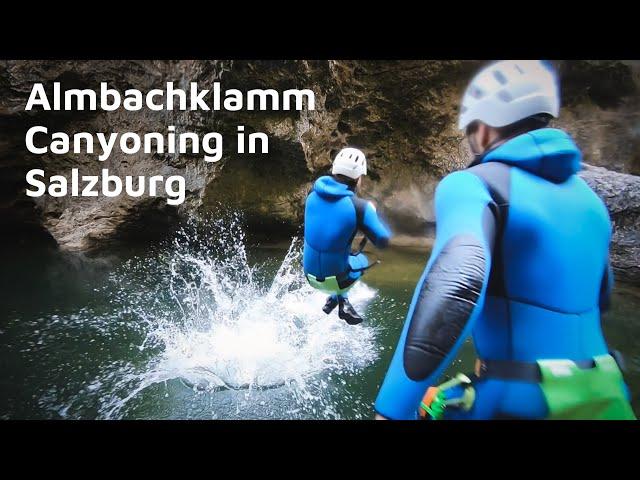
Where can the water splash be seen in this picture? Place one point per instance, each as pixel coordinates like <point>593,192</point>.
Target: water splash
<point>246,344</point>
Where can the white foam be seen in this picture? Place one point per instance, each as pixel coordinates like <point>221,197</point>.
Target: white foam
<point>215,325</point>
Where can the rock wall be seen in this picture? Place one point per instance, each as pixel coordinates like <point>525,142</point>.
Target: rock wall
<point>86,223</point>
<point>621,194</point>
<point>401,113</point>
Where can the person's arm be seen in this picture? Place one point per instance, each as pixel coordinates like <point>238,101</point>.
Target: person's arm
<point>370,223</point>
<point>448,296</point>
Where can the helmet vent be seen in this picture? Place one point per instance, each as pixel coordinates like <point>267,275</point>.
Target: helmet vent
<point>502,80</point>
<point>476,93</point>
<point>505,96</point>
<point>508,91</point>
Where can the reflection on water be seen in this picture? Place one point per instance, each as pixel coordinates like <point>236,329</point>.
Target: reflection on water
<point>202,327</point>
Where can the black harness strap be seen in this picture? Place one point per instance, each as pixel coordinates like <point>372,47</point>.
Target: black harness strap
<point>526,371</point>
<point>363,243</point>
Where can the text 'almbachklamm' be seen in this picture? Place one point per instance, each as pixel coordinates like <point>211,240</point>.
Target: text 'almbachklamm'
<point>169,98</point>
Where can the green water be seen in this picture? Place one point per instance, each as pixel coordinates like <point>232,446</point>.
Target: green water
<point>71,350</point>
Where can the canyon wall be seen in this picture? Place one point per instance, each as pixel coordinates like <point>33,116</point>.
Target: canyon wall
<point>401,113</point>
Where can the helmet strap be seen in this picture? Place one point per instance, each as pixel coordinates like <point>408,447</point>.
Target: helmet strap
<point>479,157</point>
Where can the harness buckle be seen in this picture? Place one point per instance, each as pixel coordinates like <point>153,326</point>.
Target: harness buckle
<point>479,368</point>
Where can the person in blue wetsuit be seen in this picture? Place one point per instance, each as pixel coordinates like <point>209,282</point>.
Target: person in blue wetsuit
<point>520,263</point>
<point>333,215</point>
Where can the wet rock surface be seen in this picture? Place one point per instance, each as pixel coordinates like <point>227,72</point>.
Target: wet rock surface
<point>621,193</point>
<point>88,223</point>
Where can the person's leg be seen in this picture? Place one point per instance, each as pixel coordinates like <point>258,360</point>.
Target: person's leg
<point>346,311</point>
<point>357,262</point>
<point>485,405</point>
<point>332,303</point>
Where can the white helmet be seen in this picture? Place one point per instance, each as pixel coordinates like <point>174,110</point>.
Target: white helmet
<point>508,91</point>
<point>350,162</point>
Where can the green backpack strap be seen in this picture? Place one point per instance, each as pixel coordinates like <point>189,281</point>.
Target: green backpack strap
<point>596,393</point>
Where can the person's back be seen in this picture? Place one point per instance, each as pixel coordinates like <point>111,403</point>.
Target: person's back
<point>550,264</point>
<point>330,225</point>
<point>333,216</point>
<point>550,260</point>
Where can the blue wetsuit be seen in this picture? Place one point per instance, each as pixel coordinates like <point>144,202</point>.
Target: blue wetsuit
<point>333,215</point>
<point>520,262</point>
